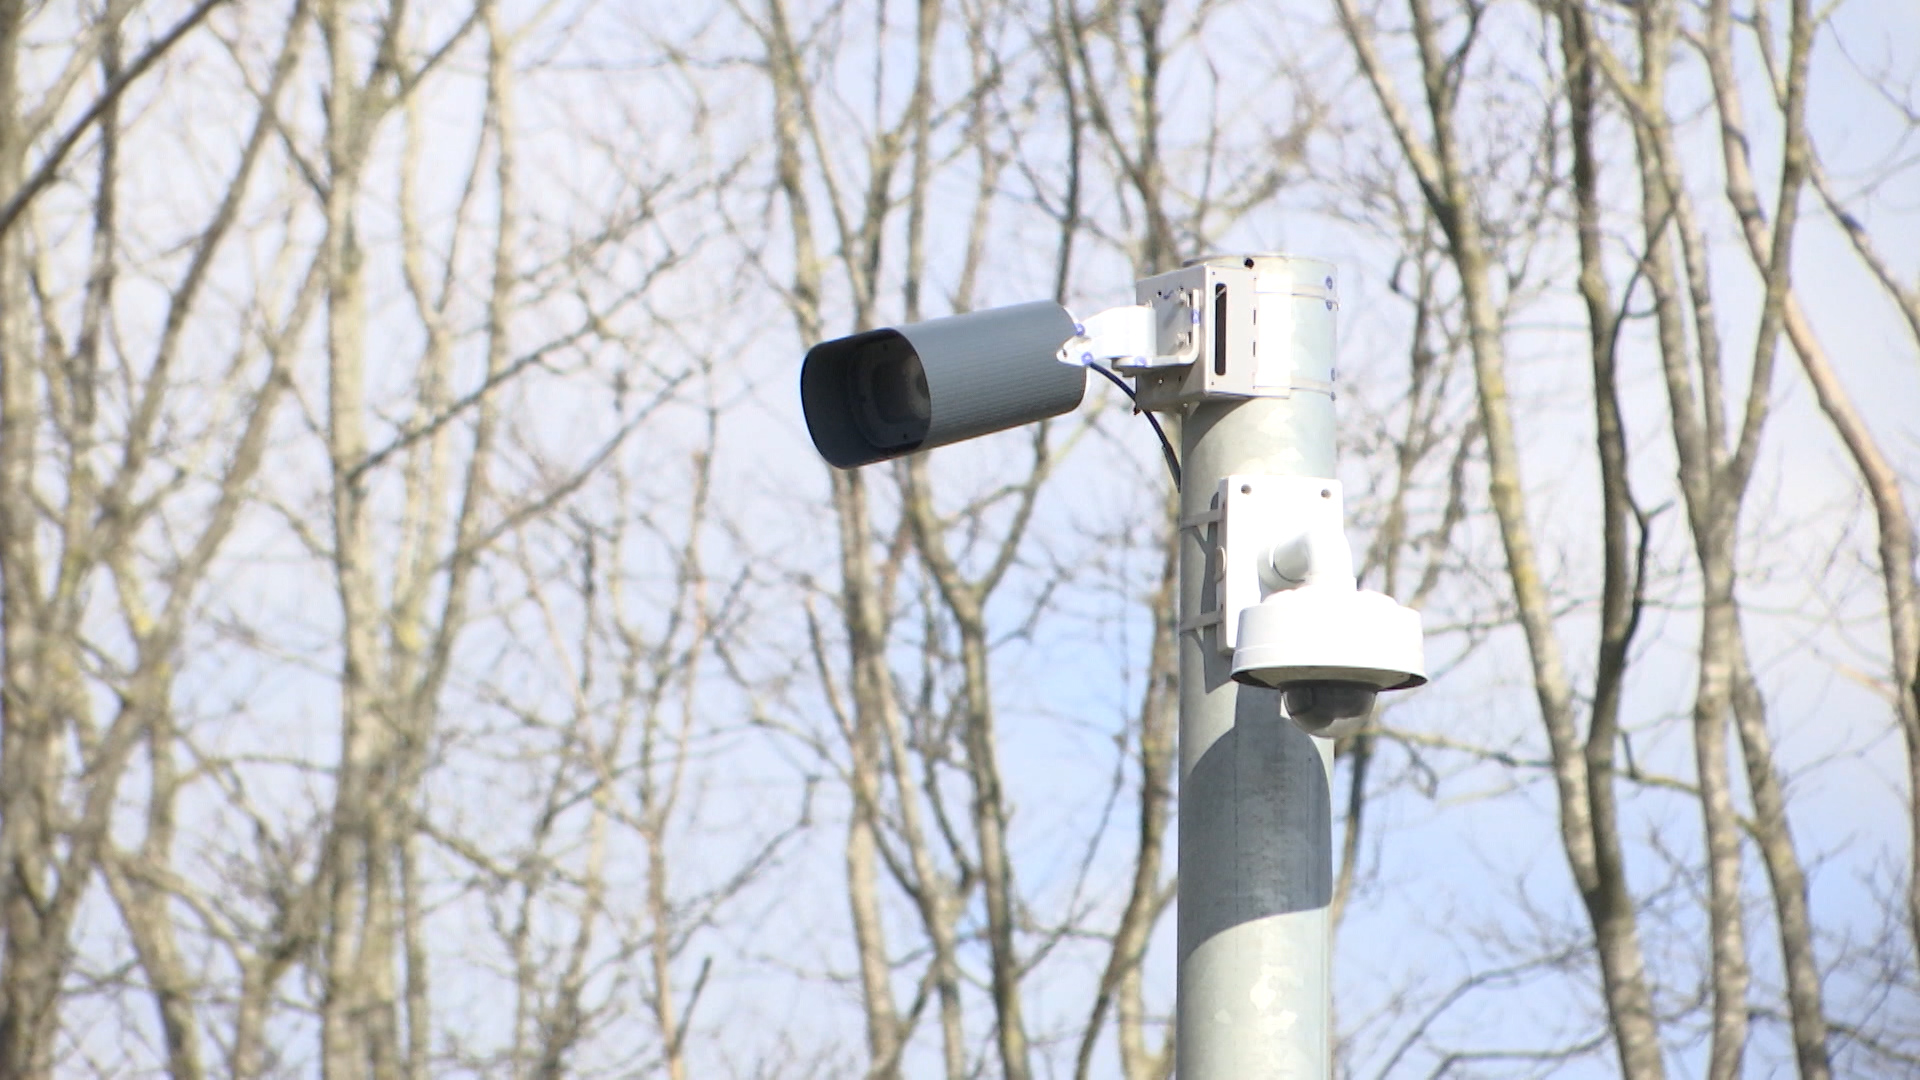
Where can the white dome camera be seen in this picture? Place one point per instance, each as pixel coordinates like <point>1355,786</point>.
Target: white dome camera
<point>1291,614</point>
<point>1329,651</point>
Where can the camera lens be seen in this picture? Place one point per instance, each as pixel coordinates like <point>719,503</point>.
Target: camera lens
<point>1316,707</point>
<point>891,403</point>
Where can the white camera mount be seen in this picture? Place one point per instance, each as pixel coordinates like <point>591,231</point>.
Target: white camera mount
<point>1286,608</point>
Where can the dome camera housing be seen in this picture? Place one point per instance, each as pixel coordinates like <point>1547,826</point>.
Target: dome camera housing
<point>1329,649</point>
<point>1316,707</point>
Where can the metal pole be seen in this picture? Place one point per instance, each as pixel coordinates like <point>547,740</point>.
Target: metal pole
<point>1256,833</point>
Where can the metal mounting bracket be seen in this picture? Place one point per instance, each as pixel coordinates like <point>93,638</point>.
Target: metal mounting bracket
<point>1256,514</point>
<point>1209,341</point>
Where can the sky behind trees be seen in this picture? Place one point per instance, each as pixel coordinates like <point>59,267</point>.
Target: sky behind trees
<point>432,647</point>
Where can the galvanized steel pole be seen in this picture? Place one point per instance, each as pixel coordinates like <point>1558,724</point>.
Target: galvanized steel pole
<point>1256,835</point>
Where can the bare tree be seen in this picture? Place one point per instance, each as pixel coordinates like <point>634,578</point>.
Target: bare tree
<point>865,585</point>
<point>143,448</point>
<point>1893,521</point>
<point>92,497</point>
<point>1589,821</point>
<point>1716,469</point>
<point>424,651</point>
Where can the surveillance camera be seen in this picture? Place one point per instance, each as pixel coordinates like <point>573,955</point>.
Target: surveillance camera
<point>890,392</point>
<point>1329,649</point>
<point>1315,707</point>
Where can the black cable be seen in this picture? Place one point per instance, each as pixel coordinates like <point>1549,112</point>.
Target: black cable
<point>1173,460</point>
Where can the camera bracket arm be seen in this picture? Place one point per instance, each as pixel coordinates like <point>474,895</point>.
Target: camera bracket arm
<point>1129,338</point>
<point>1269,533</point>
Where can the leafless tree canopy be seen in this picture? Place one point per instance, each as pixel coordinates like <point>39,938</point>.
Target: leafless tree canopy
<point>432,647</point>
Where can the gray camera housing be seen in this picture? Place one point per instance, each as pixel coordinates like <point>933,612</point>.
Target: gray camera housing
<point>895,391</point>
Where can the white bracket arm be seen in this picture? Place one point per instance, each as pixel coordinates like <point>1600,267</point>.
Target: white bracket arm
<point>1124,334</point>
<point>1135,338</point>
<point>1277,532</point>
